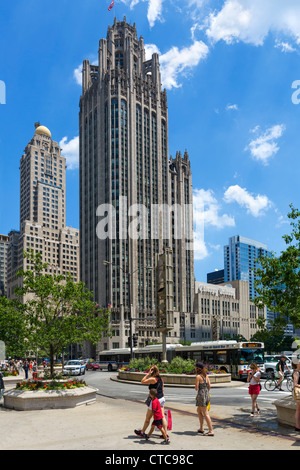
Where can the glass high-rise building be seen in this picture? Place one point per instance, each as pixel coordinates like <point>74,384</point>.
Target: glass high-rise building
<point>240,260</point>
<point>125,167</point>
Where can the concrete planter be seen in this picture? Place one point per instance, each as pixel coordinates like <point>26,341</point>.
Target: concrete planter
<point>174,379</point>
<point>49,399</point>
<point>286,409</point>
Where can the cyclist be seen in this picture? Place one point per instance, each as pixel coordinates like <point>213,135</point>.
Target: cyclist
<point>280,370</point>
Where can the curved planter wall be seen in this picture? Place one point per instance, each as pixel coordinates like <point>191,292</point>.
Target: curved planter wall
<point>49,399</point>
<point>174,379</point>
<point>286,411</point>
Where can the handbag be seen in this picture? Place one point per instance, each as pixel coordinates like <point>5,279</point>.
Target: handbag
<point>296,393</point>
<point>148,401</point>
<point>208,404</point>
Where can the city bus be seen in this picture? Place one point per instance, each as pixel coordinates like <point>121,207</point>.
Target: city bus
<point>113,359</point>
<point>227,356</point>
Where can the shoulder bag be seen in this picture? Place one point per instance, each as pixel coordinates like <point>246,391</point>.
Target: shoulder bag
<point>296,393</point>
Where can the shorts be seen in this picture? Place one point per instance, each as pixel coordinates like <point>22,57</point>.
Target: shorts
<point>254,389</point>
<point>158,423</point>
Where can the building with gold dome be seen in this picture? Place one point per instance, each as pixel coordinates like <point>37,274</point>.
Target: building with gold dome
<point>43,211</point>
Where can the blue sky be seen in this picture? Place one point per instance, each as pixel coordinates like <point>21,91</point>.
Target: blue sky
<point>228,67</point>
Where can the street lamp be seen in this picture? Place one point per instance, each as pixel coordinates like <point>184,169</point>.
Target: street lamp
<point>129,274</point>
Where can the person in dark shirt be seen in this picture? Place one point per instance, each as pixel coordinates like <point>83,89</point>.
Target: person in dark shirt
<point>2,387</point>
<point>280,369</point>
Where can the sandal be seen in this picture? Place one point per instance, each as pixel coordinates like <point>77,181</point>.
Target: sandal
<point>208,434</point>
<point>200,432</point>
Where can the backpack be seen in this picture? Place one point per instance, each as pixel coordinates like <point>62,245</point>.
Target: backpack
<point>277,366</point>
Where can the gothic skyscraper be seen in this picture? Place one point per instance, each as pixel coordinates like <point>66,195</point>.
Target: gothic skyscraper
<point>124,165</point>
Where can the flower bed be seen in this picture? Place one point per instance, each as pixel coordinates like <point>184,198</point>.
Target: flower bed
<point>40,384</point>
<point>8,373</point>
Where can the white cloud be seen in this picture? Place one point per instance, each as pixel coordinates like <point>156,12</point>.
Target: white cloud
<point>206,213</point>
<point>77,74</point>
<point>255,205</point>
<point>154,11</point>
<point>206,210</point>
<point>265,146</point>
<point>150,49</point>
<point>232,107</point>
<point>284,46</point>
<point>251,21</point>
<point>70,150</point>
<point>176,62</point>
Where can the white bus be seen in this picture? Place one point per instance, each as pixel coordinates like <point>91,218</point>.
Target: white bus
<point>229,356</point>
<point>113,359</point>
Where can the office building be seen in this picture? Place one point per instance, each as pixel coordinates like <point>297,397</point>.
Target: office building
<point>43,212</point>
<point>3,264</point>
<point>215,277</point>
<point>124,163</point>
<point>241,260</point>
<point>225,311</point>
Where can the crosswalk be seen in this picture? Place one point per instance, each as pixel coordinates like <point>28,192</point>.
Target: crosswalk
<point>236,393</point>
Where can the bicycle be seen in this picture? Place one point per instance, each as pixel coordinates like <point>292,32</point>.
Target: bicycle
<point>271,384</point>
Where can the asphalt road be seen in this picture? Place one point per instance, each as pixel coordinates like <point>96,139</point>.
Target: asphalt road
<point>236,396</point>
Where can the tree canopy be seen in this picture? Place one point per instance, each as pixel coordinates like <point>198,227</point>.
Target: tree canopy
<point>278,278</point>
<point>57,311</point>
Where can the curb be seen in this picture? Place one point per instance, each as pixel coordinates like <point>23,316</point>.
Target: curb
<point>213,385</point>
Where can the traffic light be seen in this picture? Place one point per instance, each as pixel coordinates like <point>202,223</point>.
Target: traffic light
<point>129,341</point>
<point>135,341</point>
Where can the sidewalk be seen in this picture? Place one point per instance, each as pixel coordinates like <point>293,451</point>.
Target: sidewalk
<point>109,424</point>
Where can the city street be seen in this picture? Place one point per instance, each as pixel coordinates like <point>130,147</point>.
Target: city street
<point>235,396</point>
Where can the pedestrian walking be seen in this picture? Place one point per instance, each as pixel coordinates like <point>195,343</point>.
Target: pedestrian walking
<point>296,378</point>
<point>26,369</point>
<point>203,387</point>
<point>254,386</point>
<point>2,387</point>
<point>280,366</point>
<point>155,381</point>
<point>157,417</point>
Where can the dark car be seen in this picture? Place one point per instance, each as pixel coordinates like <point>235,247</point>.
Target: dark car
<point>93,366</point>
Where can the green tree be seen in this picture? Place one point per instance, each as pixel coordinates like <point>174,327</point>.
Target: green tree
<point>12,327</point>
<point>278,280</point>
<point>273,337</point>
<point>58,311</point>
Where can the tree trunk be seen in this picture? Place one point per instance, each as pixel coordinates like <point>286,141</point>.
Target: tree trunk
<point>51,361</point>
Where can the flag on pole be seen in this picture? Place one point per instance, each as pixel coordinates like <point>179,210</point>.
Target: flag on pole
<point>111,5</point>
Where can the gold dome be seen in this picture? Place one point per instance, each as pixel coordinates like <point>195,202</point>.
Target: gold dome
<point>43,131</point>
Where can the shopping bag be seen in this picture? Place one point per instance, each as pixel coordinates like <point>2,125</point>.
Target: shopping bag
<point>208,406</point>
<point>168,417</point>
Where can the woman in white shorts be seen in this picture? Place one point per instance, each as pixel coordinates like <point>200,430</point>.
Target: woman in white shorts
<point>154,380</point>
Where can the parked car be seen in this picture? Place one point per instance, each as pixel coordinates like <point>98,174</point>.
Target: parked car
<point>269,367</point>
<point>74,367</point>
<point>93,366</point>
